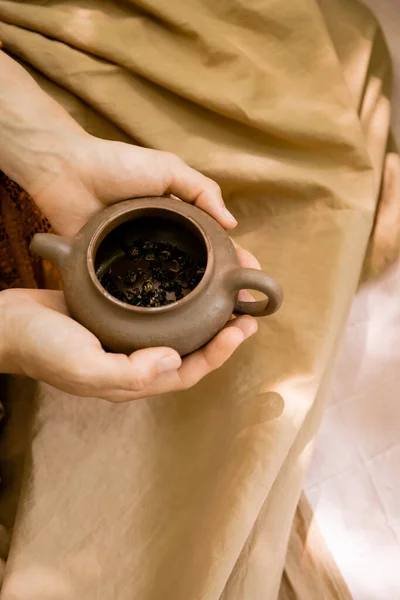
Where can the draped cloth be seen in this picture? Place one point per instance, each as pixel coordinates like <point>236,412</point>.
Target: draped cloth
<point>287,106</point>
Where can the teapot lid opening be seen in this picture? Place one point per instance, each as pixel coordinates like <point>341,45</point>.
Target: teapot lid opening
<point>150,259</point>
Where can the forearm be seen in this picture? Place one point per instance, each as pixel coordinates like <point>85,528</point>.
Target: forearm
<point>34,129</point>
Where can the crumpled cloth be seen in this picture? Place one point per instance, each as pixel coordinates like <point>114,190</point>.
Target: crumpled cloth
<point>287,105</point>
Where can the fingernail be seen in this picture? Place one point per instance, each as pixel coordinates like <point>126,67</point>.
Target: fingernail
<point>169,363</point>
<point>230,217</point>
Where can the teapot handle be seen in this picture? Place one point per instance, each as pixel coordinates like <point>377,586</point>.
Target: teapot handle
<point>253,279</point>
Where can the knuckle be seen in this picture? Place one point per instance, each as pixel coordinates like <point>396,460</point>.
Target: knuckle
<point>175,159</point>
<point>220,353</point>
<point>171,159</point>
<point>213,363</point>
<point>168,166</point>
<point>186,381</point>
<point>139,382</point>
<point>78,372</point>
<point>214,187</point>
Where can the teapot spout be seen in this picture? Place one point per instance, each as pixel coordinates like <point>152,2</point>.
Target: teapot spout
<point>51,247</point>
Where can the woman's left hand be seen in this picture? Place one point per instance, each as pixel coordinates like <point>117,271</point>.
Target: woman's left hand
<point>71,174</point>
<point>100,172</point>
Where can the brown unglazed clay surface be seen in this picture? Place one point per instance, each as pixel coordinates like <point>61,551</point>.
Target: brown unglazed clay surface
<point>185,324</point>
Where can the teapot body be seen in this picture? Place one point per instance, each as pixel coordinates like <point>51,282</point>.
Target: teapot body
<point>184,325</point>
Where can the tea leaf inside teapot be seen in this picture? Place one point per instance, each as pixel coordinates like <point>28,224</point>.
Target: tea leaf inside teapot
<point>151,274</point>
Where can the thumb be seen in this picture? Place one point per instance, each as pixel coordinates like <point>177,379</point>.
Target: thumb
<point>118,372</point>
<point>120,170</point>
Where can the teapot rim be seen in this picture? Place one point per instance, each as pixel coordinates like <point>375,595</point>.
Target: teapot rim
<point>120,216</point>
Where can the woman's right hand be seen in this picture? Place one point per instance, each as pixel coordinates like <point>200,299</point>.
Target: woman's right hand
<point>40,340</point>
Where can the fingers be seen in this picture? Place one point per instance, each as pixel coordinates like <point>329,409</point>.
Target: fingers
<point>51,347</point>
<point>153,371</point>
<point>44,343</point>
<point>195,188</point>
<point>199,364</point>
<point>125,171</point>
<point>218,351</point>
<point>245,296</point>
<point>246,259</point>
<point>106,371</point>
<point>89,371</point>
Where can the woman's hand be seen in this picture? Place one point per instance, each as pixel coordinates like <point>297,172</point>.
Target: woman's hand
<point>71,174</point>
<point>40,340</point>
<point>99,172</point>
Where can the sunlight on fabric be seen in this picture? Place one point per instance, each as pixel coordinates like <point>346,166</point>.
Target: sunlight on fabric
<point>298,394</point>
<point>84,21</point>
<point>44,582</point>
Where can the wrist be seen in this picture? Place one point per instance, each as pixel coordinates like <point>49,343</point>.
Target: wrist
<point>38,159</point>
<point>37,134</point>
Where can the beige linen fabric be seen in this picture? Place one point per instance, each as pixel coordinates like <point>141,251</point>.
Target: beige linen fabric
<point>191,496</point>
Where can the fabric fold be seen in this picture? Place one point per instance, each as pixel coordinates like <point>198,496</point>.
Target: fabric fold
<point>286,105</point>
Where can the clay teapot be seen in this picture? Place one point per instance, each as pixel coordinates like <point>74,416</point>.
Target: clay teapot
<point>185,324</point>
